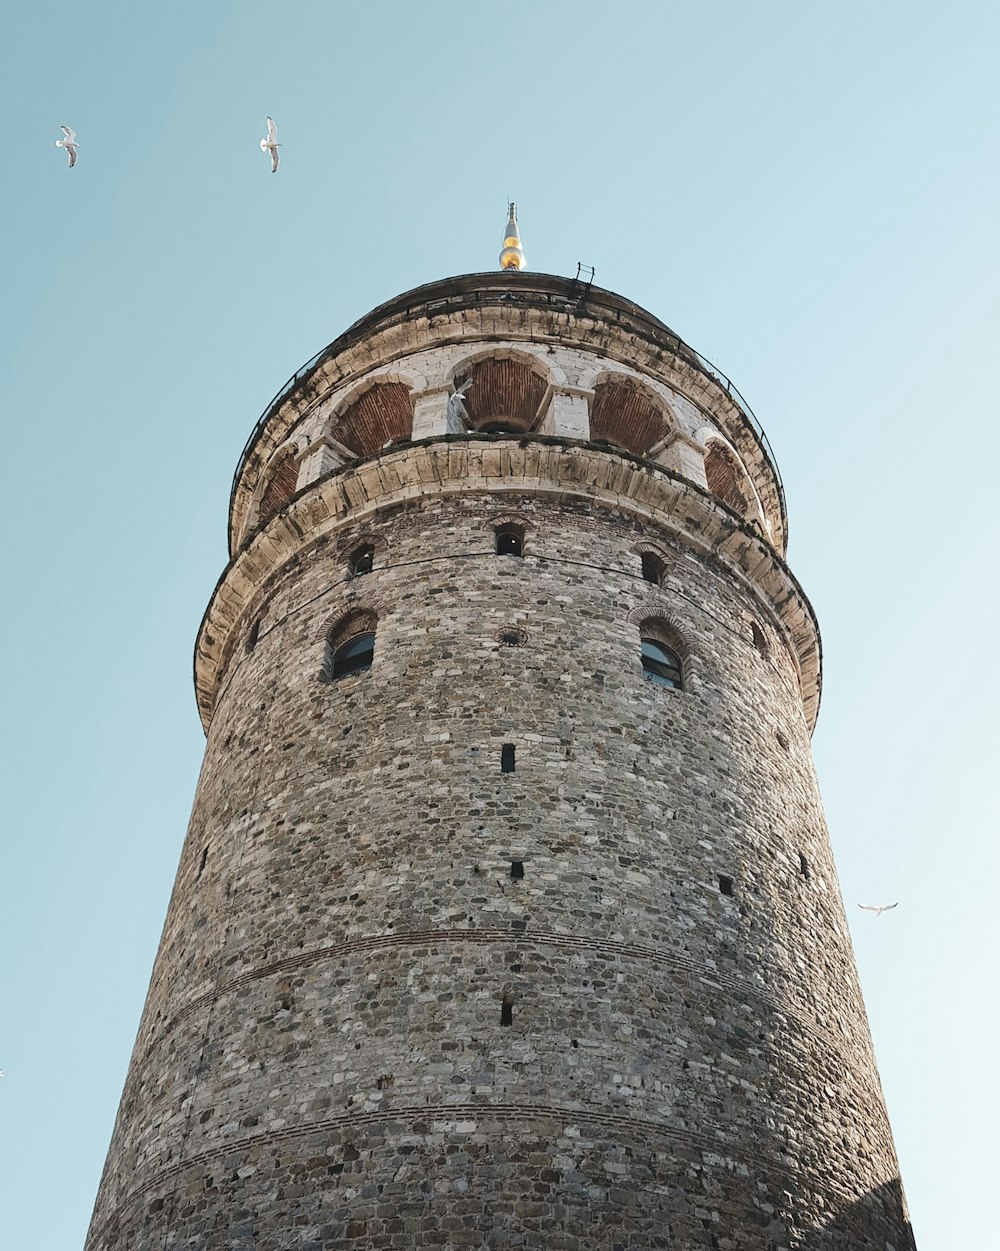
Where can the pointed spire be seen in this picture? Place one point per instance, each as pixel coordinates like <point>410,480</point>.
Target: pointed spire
<point>512,255</point>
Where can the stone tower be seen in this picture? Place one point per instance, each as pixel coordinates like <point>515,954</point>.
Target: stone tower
<point>506,915</point>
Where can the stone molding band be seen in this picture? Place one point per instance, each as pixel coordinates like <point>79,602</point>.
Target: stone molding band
<point>530,465</point>
<point>567,942</point>
<point>717,1148</point>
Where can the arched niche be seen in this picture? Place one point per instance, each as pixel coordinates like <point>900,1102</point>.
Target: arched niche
<point>728,480</point>
<point>381,414</point>
<point>279,485</point>
<point>629,415</point>
<point>505,393</point>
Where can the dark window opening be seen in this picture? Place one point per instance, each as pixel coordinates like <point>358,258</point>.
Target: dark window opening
<point>508,543</point>
<point>252,636</point>
<point>500,427</point>
<point>759,641</point>
<point>362,560</point>
<point>803,866</point>
<point>353,656</point>
<point>652,568</point>
<point>782,740</point>
<point>661,665</point>
<point>725,884</point>
<point>506,1012</point>
<point>509,638</point>
<point>507,758</point>
<point>517,869</point>
<point>204,861</point>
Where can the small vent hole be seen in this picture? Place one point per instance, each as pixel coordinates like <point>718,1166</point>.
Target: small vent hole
<point>782,740</point>
<point>204,861</point>
<point>517,869</point>
<point>507,758</point>
<point>725,884</point>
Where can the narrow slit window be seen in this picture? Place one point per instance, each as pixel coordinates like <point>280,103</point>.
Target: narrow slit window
<point>725,884</point>
<point>509,543</point>
<point>803,866</point>
<point>507,758</point>
<point>253,634</point>
<point>517,869</point>
<point>204,861</point>
<point>506,1011</point>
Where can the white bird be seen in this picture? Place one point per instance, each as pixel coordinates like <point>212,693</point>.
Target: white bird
<point>271,144</point>
<point>878,909</point>
<point>69,143</point>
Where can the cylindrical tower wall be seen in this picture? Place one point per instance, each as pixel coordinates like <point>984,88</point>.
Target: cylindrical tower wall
<point>409,996</point>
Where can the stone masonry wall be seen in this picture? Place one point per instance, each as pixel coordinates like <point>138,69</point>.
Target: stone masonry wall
<point>321,1063</point>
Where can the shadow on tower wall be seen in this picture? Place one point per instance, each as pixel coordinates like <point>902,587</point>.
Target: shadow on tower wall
<point>878,1222</point>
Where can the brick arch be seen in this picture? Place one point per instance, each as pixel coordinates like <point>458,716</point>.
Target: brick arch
<point>353,607</point>
<point>506,388</point>
<point>280,480</point>
<point>379,413</point>
<point>662,627</point>
<point>347,544</point>
<point>628,414</point>
<point>727,479</point>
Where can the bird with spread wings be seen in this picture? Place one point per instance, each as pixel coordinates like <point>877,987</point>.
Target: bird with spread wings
<point>271,144</point>
<point>68,142</point>
<point>878,909</point>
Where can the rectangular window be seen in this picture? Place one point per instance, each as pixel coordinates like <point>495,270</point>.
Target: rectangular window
<point>507,758</point>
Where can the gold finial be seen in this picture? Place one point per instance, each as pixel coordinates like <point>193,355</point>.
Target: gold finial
<point>512,255</point>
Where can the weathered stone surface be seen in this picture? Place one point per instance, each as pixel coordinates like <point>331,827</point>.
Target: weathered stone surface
<point>364,896</point>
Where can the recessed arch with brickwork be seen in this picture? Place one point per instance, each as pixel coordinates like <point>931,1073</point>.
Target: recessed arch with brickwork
<point>279,482</point>
<point>507,390</point>
<point>627,413</point>
<point>377,413</point>
<point>728,480</point>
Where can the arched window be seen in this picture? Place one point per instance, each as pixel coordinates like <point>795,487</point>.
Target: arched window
<point>350,645</point>
<point>362,560</point>
<point>353,656</point>
<point>509,542</point>
<point>661,665</point>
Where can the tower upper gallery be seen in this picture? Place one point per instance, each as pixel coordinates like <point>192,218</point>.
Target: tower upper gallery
<point>486,381</point>
<point>608,372</point>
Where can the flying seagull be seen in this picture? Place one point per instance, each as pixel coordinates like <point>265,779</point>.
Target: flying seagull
<point>878,909</point>
<point>271,144</point>
<point>69,143</point>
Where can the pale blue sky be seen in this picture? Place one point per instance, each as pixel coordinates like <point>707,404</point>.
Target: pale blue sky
<point>808,194</point>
